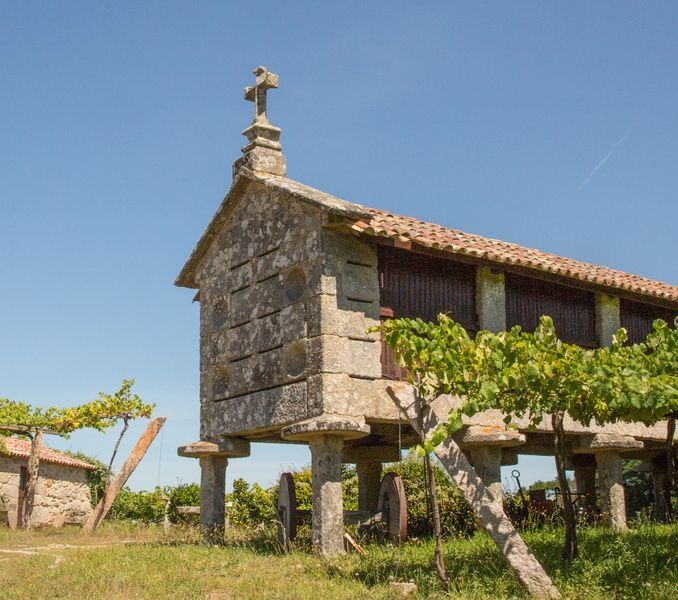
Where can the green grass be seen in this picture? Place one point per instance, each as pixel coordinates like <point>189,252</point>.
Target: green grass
<point>642,564</point>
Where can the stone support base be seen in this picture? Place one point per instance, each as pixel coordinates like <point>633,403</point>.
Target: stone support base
<point>612,501</point>
<point>486,461</point>
<point>328,505</point>
<point>369,482</point>
<point>212,491</point>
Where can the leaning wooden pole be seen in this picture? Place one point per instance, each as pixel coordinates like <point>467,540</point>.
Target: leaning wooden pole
<point>108,497</point>
<point>489,512</point>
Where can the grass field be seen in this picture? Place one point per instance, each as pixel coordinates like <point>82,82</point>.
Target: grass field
<point>128,561</point>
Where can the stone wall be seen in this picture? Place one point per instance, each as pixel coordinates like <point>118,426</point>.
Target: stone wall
<point>62,494</point>
<point>256,284</point>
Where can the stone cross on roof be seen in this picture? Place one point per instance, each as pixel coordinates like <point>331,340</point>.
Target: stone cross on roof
<point>263,153</point>
<point>257,93</point>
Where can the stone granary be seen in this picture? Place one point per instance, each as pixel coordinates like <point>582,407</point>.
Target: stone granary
<point>62,496</point>
<point>289,279</point>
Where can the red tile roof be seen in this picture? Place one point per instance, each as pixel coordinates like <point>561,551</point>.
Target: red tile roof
<point>406,229</point>
<point>21,449</point>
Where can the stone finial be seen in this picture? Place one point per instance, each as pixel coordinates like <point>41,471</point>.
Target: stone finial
<point>263,153</point>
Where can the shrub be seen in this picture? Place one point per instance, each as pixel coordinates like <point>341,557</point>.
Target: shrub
<point>148,507</point>
<point>184,494</point>
<point>250,505</point>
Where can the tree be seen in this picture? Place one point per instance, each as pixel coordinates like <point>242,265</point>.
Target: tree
<point>25,420</point>
<point>532,375</point>
<point>106,411</point>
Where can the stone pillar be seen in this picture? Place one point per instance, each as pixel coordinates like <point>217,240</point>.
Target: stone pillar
<point>369,482</point>
<point>325,436</point>
<point>612,500</point>
<point>585,479</point>
<point>490,299</point>
<point>485,446</point>
<point>486,461</point>
<point>328,504</point>
<point>212,492</point>
<point>213,458</point>
<point>607,318</point>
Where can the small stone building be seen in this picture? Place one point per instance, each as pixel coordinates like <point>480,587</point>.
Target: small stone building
<point>62,496</point>
<point>289,279</point>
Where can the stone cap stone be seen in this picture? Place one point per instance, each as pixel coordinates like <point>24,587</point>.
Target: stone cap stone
<point>231,447</point>
<point>491,435</point>
<point>605,442</point>
<point>348,428</point>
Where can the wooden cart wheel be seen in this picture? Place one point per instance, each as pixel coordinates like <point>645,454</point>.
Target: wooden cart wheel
<point>287,510</point>
<point>393,506</point>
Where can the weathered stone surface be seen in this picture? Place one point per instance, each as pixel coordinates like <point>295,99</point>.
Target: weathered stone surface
<point>602,442</point>
<point>347,428</point>
<point>212,501</point>
<point>257,411</point>
<point>369,483</point>
<point>486,460</point>
<point>350,319</point>
<point>611,483</point>
<point>608,320</point>
<point>62,496</point>
<point>490,435</point>
<point>334,354</point>
<point>328,510</point>
<point>227,446</point>
<point>490,299</point>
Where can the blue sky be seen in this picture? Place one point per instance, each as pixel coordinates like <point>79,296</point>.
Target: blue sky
<point>553,126</point>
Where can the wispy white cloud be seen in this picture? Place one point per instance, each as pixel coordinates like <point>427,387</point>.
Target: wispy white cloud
<point>600,165</point>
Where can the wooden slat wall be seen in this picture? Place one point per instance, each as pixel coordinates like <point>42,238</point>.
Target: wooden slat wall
<point>637,318</point>
<point>418,285</point>
<point>572,310</point>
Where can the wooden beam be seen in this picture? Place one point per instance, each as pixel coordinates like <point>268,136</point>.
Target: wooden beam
<point>146,439</point>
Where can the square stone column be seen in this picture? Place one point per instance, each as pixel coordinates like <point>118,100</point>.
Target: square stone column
<point>328,499</point>
<point>486,461</point>
<point>612,498</point>
<point>490,299</point>
<point>212,497</point>
<point>369,482</point>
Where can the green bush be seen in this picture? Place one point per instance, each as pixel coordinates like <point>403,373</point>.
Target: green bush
<point>184,494</point>
<point>147,507</point>
<point>250,506</point>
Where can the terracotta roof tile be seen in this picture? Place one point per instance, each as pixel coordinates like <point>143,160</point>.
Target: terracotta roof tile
<point>429,235</point>
<point>21,449</point>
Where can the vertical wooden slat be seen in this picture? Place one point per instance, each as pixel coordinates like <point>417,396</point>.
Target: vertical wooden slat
<point>572,309</point>
<point>637,318</point>
<point>419,285</point>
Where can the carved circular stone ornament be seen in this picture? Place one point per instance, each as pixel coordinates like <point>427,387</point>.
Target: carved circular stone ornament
<point>393,507</point>
<point>287,510</point>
